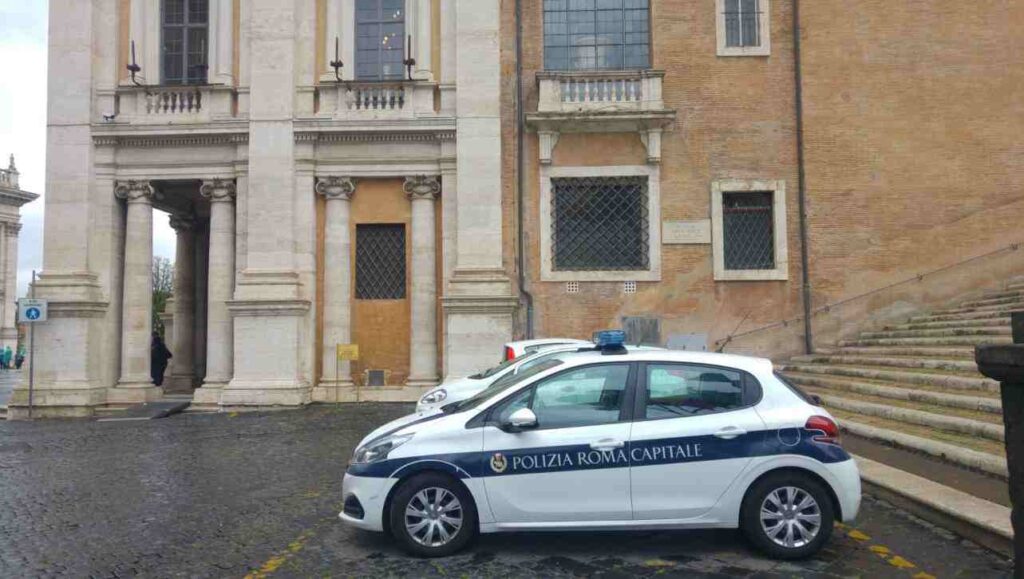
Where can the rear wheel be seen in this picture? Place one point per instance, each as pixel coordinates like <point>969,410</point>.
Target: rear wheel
<point>432,516</point>
<point>787,515</point>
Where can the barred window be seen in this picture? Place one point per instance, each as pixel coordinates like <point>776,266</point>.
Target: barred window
<point>380,262</point>
<point>596,34</point>
<point>184,41</point>
<point>742,23</point>
<point>600,223</point>
<point>748,230</point>
<point>380,39</point>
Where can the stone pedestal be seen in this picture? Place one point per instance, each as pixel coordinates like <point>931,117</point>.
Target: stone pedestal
<point>1005,363</point>
<point>135,384</point>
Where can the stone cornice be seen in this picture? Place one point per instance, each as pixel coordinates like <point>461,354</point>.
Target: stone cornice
<point>336,187</point>
<point>16,197</point>
<point>268,308</point>
<point>432,136</point>
<point>12,229</point>
<point>170,140</point>
<point>426,187</point>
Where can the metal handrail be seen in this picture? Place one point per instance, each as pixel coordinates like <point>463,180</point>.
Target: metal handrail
<point>722,343</point>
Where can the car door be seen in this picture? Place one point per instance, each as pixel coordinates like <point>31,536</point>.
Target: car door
<point>574,465</point>
<point>694,432</point>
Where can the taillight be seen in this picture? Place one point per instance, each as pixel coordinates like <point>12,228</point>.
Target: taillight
<point>826,426</point>
<point>509,353</point>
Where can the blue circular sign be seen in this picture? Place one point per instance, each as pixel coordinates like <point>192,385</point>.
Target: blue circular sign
<point>32,313</point>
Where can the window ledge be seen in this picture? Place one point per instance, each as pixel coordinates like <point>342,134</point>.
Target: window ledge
<point>777,274</point>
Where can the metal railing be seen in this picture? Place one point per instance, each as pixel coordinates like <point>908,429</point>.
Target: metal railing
<point>721,344</point>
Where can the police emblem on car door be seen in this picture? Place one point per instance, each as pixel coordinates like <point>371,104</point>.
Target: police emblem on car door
<point>573,465</point>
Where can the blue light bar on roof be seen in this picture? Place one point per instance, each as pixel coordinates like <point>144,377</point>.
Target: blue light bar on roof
<point>610,339</point>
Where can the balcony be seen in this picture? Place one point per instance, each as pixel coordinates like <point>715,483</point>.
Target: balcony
<point>354,100</point>
<point>163,105</point>
<point>600,102</point>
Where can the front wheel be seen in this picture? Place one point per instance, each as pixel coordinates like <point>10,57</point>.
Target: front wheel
<point>432,516</point>
<point>787,515</point>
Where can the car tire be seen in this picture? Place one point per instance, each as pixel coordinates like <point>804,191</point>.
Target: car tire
<point>424,519</point>
<point>787,515</point>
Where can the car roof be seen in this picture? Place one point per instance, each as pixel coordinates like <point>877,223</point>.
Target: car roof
<point>543,341</point>
<point>747,363</point>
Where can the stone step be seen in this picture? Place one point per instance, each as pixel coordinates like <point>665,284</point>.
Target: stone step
<point>931,352</point>
<point>929,341</point>
<point>1003,293</point>
<point>984,401</point>
<point>936,317</point>
<point>938,421</point>
<point>940,332</point>
<point>969,452</point>
<point>969,323</point>
<point>905,376</point>
<point>892,361</point>
<point>1004,307</point>
<point>996,299</point>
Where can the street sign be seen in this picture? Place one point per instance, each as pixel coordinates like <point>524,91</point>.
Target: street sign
<point>32,311</point>
<point>348,352</point>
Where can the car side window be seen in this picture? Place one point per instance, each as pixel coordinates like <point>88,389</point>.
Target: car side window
<point>586,396</point>
<point>677,390</point>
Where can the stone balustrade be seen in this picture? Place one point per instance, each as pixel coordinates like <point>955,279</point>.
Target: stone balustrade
<point>377,100</point>
<point>595,91</point>
<point>175,104</point>
<point>8,179</point>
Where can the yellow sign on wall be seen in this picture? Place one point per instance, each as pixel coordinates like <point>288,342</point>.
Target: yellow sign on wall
<point>348,352</point>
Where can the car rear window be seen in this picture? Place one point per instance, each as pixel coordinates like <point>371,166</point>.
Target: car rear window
<point>796,390</point>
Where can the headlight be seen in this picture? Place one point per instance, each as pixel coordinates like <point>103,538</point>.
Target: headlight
<point>378,450</point>
<point>434,396</point>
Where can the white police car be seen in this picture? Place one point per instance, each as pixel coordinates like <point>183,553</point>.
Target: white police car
<point>463,388</point>
<point>611,440</point>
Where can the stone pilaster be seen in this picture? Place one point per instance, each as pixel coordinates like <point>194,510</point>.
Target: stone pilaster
<point>9,332</point>
<point>336,376</point>
<point>182,340</point>
<point>423,191</point>
<point>220,287</point>
<point>135,384</point>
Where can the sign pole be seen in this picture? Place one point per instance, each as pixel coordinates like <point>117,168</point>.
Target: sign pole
<point>31,351</point>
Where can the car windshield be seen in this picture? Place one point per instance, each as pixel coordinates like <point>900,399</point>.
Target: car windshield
<point>499,387</point>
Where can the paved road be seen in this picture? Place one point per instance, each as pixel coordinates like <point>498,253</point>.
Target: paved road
<point>257,494</point>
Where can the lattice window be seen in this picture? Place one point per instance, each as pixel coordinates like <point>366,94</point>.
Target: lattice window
<point>380,262</point>
<point>184,39</point>
<point>600,223</point>
<point>748,230</point>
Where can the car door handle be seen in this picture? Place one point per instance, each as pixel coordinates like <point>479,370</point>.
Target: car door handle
<point>607,444</point>
<point>730,432</point>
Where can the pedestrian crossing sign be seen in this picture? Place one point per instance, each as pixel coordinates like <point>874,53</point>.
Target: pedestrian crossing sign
<point>31,311</point>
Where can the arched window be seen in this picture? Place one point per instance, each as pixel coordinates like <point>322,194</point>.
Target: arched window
<point>184,41</point>
<point>380,39</point>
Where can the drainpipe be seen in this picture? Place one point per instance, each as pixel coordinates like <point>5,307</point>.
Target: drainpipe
<point>802,182</point>
<point>525,295</point>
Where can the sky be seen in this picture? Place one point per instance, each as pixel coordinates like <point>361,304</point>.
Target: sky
<point>23,26</point>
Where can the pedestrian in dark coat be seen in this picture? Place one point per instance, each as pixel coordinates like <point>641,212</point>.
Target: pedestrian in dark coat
<point>158,357</point>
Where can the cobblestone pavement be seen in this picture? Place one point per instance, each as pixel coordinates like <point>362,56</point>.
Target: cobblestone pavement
<point>258,493</point>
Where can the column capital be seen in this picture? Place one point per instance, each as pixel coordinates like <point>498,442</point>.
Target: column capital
<point>12,229</point>
<point>135,191</point>
<point>182,223</point>
<point>336,187</point>
<point>218,190</point>
<point>426,187</point>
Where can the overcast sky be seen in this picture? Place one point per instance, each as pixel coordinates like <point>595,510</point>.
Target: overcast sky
<point>23,126</point>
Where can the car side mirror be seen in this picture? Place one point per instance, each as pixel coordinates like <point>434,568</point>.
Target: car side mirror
<point>522,419</point>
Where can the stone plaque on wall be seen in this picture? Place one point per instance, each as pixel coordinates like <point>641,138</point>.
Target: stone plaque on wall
<point>686,232</point>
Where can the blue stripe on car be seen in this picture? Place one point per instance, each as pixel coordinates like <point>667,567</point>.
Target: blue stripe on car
<point>641,453</point>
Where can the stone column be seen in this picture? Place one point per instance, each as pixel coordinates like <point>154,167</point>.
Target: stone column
<point>136,384</point>
<point>337,279</point>
<point>9,333</point>
<point>221,283</point>
<point>181,341</point>
<point>423,192</point>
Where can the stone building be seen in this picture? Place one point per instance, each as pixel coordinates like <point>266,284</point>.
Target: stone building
<point>12,197</point>
<point>430,178</point>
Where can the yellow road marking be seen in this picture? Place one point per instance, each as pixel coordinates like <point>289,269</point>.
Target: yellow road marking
<point>658,563</point>
<point>275,562</point>
<point>883,552</point>
<point>880,550</point>
<point>855,534</point>
<point>900,562</point>
<point>923,575</point>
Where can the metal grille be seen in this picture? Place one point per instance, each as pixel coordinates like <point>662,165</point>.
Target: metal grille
<point>600,223</point>
<point>380,262</point>
<point>748,230</point>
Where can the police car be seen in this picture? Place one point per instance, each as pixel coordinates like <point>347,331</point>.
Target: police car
<point>611,439</point>
<point>460,389</point>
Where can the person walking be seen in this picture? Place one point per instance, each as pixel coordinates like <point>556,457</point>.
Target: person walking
<point>7,356</point>
<point>19,359</point>
<point>158,357</point>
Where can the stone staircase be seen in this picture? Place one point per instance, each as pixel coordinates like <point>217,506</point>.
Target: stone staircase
<point>915,386</point>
